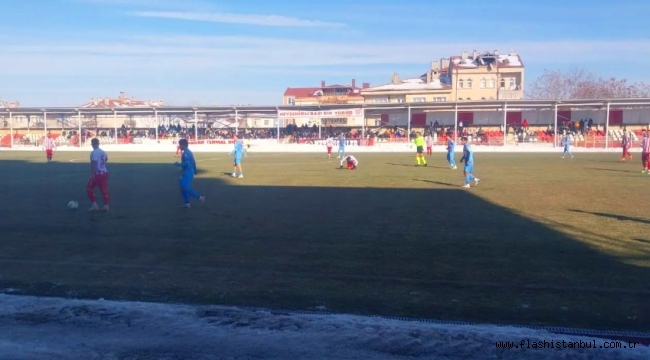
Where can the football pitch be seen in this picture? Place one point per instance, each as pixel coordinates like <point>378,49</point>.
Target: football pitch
<point>541,240</point>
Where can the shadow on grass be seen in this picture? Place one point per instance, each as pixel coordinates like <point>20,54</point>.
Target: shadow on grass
<point>611,170</point>
<point>438,183</point>
<point>613,216</point>
<point>429,253</point>
<point>428,165</point>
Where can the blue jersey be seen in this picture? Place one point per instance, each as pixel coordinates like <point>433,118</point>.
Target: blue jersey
<point>566,143</point>
<point>451,146</point>
<point>188,164</point>
<point>342,142</point>
<point>468,154</point>
<point>239,149</point>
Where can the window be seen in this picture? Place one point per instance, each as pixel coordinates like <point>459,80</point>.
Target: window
<point>380,100</point>
<point>256,123</point>
<point>461,83</point>
<point>483,83</point>
<point>483,98</point>
<point>419,99</point>
<point>469,83</point>
<point>502,84</point>
<point>491,84</point>
<point>512,84</point>
<point>440,99</point>
<point>266,123</point>
<point>291,101</point>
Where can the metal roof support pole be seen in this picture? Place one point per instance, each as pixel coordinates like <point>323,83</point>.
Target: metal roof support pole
<point>237,122</point>
<point>555,143</point>
<point>408,123</point>
<point>45,121</point>
<point>196,125</point>
<point>115,125</point>
<point>505,123</point>
<point>277,123</point>
<point>11,129</point>
<point>156,123</point>
<point>79,137</point>
<point>455,138</point>
<point>607,127</point>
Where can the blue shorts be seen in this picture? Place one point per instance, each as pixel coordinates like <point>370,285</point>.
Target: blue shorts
<point>237,161</point>
<point>468,168</point>
<point>186,180</point>
<point>450,155</point>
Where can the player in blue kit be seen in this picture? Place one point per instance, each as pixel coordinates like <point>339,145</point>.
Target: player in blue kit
<point>468,159</point>
<point>566,142</point>
<point>341,146</point>
<point>451,148</point>
<point>239,151</point>
<point>188,166</point>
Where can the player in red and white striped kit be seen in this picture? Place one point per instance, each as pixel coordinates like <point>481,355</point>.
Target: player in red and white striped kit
<point>329,143</point>
<point>626,142</point>
<point>98,177</point>
<point>429,142</point>
<point>645,151</point>
<point>49,145</point>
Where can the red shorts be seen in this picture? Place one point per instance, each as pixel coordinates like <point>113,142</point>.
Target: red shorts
<point>329,149</point>
<point>350,165</point>
<point>49,152</point>
<point>99,180</point>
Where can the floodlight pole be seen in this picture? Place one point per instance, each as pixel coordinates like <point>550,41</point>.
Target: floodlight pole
<point>607,127</point>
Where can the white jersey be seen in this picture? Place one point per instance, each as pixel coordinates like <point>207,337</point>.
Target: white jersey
<point>49,144</point>
<point>429,141</point>
<point>99,156</point>
<point>329,142</point>
<point>350,158</point>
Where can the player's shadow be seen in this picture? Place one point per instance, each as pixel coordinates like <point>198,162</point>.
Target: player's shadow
<point>613,216</point>
<point>438,183</point>
<point>610,170</point>
<point>414,165</point>
<point>428,253</point>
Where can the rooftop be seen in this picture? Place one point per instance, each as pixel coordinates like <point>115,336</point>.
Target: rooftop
<point>9,104</point>
<point>419,83</point>
<point>489,59</point>
<point>353,90</point>
<point>121,101</point>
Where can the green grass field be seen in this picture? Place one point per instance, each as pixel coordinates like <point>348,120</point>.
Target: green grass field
<point>541,240</point>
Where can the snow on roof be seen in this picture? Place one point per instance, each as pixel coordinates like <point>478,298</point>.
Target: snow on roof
<point>512,60</point>
<point>9,105</point>
<point>409,84</point>
<point>121,101</point>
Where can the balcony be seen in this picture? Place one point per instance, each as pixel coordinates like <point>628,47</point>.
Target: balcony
<point>336,100</point>
<point>511,94</point>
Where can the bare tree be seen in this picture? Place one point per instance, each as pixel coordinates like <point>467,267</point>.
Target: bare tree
<point>582,84</point>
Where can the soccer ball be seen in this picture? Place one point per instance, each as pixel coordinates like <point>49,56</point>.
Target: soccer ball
<point>73,205</point>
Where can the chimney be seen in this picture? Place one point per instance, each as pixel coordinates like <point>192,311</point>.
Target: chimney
<point>513,53</point>
<point>463,55</point>
<point>496,52</point>
<point>365,85</point>
<point>121,95</point>
<point>322,83</point>
<point>435,66</point>
<point>474,55</point>
<point>395,79</point>
<point>429,77</point>
<point>444,63</point>
<point>354,83</point>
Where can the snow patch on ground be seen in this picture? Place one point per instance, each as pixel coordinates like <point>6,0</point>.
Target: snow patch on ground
<point>52,328</point>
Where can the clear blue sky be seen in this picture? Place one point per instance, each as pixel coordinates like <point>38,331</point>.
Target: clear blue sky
<point>63,52</point>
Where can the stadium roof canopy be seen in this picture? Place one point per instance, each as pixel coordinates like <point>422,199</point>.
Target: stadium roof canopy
<point>375,108</point>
